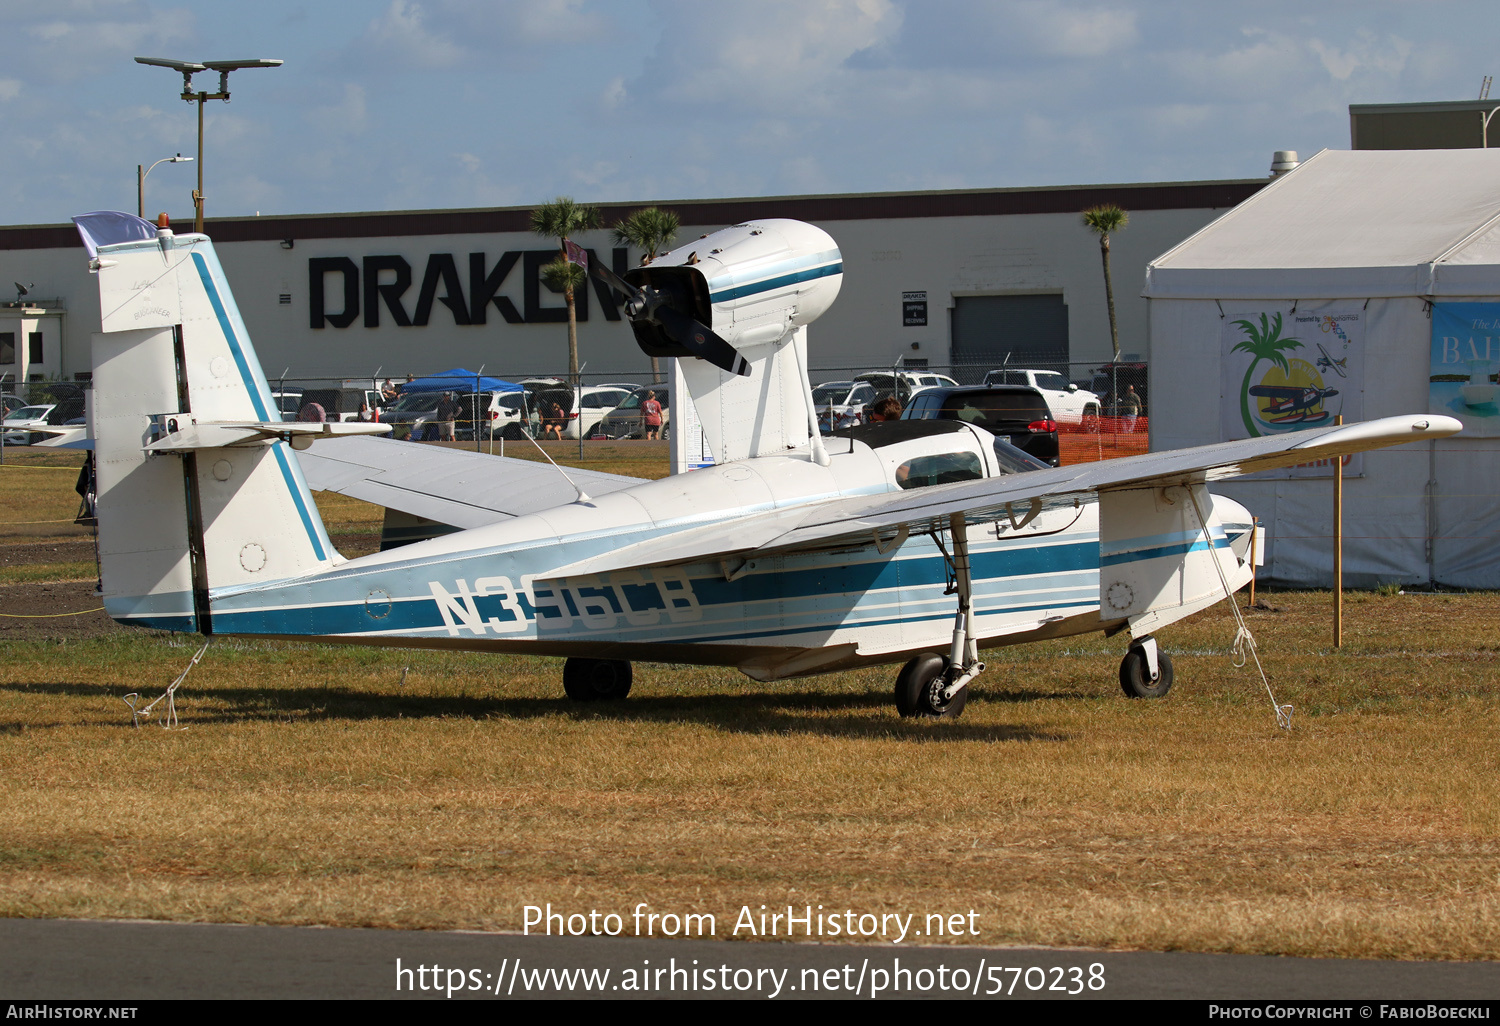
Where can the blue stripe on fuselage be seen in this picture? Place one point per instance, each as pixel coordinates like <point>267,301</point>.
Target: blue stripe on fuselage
<point>809,274</point>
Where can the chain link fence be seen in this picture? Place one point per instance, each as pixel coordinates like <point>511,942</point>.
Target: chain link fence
<point>1101,410</point>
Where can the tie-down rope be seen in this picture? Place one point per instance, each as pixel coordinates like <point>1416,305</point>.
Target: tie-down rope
<point>1244,642</point>
<point>169,721</point>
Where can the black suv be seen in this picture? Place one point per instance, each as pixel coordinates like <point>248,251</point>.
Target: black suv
<point>1017,413</point>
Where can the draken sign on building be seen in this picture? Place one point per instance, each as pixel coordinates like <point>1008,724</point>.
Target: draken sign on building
<point>380,288</point>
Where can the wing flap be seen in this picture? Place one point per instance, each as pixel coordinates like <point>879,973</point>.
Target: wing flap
<point>456,487</point>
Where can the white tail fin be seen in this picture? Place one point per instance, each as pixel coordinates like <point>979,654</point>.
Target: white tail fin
<point>759,414</point>
<point>174,356</point>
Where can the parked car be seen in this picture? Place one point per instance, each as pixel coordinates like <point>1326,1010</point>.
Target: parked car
<point>1016,413</point>
<point>25,417</point>
<point>288,402</point>
<point>410,414</point>
<point>10,402</point>
<point>625,421</point>
<point>593,402</point>
<point>1069,403</point>
<point>583,407</point>
<point>516,416</point>
<point>841,404</point>
<point>484,412</point>
<point>904,384</point>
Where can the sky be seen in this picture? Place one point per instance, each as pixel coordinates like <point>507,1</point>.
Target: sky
<point>418,104</point>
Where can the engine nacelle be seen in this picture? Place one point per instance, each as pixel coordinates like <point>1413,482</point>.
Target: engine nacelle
<point>751,283</point>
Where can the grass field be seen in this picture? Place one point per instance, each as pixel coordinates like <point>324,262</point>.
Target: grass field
<point>347,786</point>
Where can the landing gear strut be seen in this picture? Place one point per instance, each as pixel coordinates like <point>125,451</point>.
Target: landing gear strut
<point>1146,671</point>
<point>930,685</point>
<point>590,680</point>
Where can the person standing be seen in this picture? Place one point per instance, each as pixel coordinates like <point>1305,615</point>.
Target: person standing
<point>447,409</point>
<point>1130,409</point>
<point>651,416</point>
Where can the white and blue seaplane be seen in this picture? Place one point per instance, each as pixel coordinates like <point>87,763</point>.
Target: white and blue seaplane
<point>918,542</point>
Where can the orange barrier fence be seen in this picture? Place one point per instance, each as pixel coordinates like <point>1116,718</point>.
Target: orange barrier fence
<point>1080,443</point>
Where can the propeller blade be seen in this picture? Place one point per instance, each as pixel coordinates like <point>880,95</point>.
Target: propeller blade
<point>701,340</point>
<point>617,283</point>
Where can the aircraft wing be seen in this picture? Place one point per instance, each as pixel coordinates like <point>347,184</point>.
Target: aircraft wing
<point>451,486</point>
<point>835,523</point>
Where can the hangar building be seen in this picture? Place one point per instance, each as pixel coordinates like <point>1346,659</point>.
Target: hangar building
<point>938,279</point>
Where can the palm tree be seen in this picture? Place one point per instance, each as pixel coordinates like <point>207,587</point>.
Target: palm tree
<point>1104,220</point>
<point>558,220</point>
<point>1264,343</point>
<point>652,229</point>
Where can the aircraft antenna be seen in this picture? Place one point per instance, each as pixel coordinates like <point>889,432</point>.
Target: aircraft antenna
<point>583,496</point>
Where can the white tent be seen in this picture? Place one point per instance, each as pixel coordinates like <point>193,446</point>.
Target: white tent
<point>1364,283</point>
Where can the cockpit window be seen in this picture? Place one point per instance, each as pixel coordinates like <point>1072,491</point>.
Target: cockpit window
<point>944,468</point>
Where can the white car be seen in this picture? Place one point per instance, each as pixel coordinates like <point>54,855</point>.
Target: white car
<point>905,384</point>
<point>26,416</point>
<point>1069,403</point>
<point>594,401</point>
<point>841,404</point>
<point>585,411</point>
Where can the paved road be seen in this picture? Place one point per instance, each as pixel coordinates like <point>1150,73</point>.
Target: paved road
<point>71,959</point>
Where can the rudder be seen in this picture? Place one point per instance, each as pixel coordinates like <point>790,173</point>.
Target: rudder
<point>174,360</point>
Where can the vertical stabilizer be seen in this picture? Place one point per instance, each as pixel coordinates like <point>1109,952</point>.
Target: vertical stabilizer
<point>755,415</point>
<point>175,527</point>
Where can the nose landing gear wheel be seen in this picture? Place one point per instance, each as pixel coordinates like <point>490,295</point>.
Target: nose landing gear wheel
<point>590,680</point>
<point>919,689</point>
<point>1135,674</point>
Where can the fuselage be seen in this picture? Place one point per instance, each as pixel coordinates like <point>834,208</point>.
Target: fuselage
<point>782,615</point>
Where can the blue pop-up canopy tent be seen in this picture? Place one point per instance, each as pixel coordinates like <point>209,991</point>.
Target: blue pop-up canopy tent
<point>459,380</point>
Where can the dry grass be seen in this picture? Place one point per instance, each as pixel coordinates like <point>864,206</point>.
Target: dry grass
<point>312,787</point>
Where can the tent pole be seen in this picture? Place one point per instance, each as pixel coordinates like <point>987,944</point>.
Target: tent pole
<point>1338,545</point>
<point>1254,530</point>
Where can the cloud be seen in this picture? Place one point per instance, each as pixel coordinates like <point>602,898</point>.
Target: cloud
<point>348,117</point>
<point>1065,30</point>
<point>763,56</point>
<point>70,41</point>
<point>9,88</point>
<point>1364,52</point>
<point>447,34</point>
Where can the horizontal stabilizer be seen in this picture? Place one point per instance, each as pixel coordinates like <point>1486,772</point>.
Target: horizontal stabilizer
<point>836,523</point>
<point>233,434</point>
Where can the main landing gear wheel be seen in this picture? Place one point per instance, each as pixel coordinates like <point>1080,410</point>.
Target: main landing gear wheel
<point>1135,674</point>
<point>919,689</point>
<point>592,680</point>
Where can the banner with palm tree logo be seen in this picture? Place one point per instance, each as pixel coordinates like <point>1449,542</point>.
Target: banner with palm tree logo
<point>1290,370</point>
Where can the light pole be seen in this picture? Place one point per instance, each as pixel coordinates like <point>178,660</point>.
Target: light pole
<point>1484,128</point>
<point>140,181</point>
<point>189,69</point>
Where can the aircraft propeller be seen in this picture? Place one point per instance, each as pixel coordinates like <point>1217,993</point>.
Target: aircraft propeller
<point>652,305</point>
